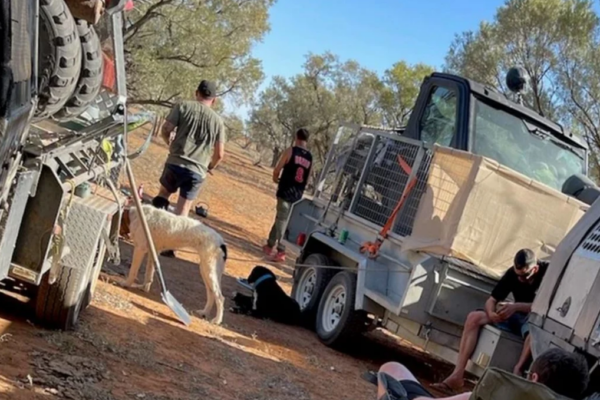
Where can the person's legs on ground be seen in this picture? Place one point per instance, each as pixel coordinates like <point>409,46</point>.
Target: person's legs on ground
<point>521,322</point>
<point>188,192</point>
<point>468,341</point>
<point>170,183</point>
<point>396,371</point>
<point>277,231</point>
<point>414,390</point>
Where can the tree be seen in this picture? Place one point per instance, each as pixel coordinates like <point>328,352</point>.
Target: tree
<point>325,94</point>
<point>401,85</point>
<point>533,34</point>
<point>172,44</point>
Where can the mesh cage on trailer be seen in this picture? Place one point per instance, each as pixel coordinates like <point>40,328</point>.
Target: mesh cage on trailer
<point>365,169</point>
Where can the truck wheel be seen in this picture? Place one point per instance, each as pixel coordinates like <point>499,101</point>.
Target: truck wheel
<point>58,305</point>
<point>88,296</point>
<point>311,283</point>
<point>90,79</point>
<point>59,57</point>
<point>337,320</point>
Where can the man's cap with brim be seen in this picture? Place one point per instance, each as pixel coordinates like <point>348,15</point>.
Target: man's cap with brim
<point>207,89</point>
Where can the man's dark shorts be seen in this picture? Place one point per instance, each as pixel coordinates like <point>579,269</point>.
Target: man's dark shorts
<point>415,389</point>
<point>517,324</point>
<point>179,178</point>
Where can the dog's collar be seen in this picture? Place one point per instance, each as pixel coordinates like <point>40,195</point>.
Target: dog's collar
<point>262,279</point>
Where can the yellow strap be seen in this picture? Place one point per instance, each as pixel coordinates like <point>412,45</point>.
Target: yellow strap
<point>108,149</point>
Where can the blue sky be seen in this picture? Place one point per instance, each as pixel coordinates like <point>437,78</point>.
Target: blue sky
<point>376,33</point>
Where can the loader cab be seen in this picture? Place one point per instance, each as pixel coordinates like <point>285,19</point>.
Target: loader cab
<point>456,112</point>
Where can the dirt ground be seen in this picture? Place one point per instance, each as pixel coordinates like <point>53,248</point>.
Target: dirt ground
<point>130,346</point>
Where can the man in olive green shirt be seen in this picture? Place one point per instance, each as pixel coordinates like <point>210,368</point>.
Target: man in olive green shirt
<point>196,137</point>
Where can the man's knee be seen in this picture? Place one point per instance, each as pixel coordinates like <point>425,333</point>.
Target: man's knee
<point>397,371</point>
<point>476,320</point>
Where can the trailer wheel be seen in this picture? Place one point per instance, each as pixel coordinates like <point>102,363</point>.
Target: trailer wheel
<point>88,296</point>
<point>90,79</point>
<point>337,320</point>
<point>311,282</point>
<point>59,57</point>
<point>58,305</point>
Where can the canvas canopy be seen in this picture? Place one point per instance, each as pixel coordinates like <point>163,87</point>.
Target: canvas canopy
<point>480,211</point>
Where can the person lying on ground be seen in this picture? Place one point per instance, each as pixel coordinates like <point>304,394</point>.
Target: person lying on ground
<point>564,373</point>
<point>523,280</point>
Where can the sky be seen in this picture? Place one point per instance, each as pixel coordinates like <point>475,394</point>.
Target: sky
<point>376,33</point>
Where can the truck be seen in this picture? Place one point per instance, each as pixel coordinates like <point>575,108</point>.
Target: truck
<point>380,247</point>
<point>63,121</point>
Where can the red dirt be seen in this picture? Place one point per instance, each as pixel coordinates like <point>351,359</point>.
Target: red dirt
<point>130,346</point>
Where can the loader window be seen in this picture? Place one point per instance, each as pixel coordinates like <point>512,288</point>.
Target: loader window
<point>524,147</point>
<point>438,123</point>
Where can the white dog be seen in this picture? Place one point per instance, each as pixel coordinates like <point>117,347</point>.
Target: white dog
<point>173,232</point>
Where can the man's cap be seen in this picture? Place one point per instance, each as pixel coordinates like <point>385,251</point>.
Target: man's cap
<point>525,258</point>
<point>207,89</point>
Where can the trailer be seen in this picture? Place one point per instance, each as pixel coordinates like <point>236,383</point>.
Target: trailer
<point>63,122</point>
<point>467,151</point>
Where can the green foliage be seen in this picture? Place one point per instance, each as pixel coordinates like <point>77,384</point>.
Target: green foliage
<point>400,88</point>
<point>556,42</point>
<point>173,44</point>
<point>330,91</point>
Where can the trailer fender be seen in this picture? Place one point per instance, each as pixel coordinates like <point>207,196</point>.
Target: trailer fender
<point>343,257</point>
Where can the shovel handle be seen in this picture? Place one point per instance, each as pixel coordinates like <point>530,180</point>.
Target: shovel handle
<point>138,206</point>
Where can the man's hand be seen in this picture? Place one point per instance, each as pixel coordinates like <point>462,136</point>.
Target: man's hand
<point>171,137</point>
<point>275,179</point>
<point>495,318</point>
<point>506,310</point>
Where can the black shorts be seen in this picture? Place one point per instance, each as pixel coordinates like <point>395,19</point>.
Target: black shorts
<point>179,178</point>
<point>415,389</point>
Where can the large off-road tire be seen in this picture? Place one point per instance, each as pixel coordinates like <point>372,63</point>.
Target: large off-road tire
<point>311,282</point>
<point>337,320</point>
<point>58,305</point>
<point>59,57</point>
<point>90,79</point>
<point>88,296</point>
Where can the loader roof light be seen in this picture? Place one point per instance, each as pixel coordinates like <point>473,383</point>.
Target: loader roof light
<point>516,79</point>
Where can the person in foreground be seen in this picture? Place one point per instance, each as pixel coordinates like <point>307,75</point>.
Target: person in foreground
<point>522,280</point>
<point>290,175</point>
<point>195,134</point>
<point>565,373</point>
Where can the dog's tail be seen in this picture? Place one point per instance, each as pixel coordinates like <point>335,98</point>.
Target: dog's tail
<point>224,250</point>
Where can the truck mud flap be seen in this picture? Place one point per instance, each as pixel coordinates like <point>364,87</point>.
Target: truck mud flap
<point>12,222</point>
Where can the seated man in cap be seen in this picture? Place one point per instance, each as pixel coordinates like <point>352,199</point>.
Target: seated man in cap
<point>195,134</point>
<point>523,280</point>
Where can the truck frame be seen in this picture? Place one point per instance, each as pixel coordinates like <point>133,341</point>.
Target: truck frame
<point>62,149</point>
<point>423,298</point>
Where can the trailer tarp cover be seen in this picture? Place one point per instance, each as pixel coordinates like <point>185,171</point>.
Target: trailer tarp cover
<point>480,211</point>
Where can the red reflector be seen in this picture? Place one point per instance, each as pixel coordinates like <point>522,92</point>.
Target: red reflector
<point>129,5</point>
<point>301,239</point>
<point>109,78</point>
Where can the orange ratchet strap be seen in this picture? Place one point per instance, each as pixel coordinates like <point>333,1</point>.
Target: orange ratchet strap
<point>372,248</point>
